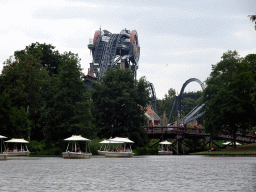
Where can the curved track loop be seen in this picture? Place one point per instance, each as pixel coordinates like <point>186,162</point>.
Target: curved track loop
<point>180,97</point>
<point>153,94</point>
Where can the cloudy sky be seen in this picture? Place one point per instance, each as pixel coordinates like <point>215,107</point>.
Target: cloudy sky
<point>179,39</point>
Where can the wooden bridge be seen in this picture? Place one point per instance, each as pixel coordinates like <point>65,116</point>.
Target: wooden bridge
<point>194,139</point>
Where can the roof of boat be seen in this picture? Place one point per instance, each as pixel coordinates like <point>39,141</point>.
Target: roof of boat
<point>230,143</point>
<point>76,138</point>
<point>16,141</point>
<point>108,141</point>
<point>121,139</point>
<point>165,142</point>
<point>2,137</point>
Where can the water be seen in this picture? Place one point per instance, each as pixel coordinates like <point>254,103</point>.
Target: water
<point>146,173</point>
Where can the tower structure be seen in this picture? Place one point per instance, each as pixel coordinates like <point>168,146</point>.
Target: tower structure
<point>110,49</point>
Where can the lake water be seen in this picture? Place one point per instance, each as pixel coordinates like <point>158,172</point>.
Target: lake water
<point>145,173</point>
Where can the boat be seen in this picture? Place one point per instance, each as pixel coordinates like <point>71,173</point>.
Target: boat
<point>75,152</point>
<point>126,152</point>
<point>106,143</point>
<point>16,151</point>
<point>2,156</point>
<point>164,151</point>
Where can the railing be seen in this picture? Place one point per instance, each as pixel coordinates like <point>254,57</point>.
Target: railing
<point>170,130</point>
<point>249,138</point>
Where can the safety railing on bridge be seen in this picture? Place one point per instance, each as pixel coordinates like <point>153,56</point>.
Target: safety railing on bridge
<point>169,130</point>
<point>247,138</point>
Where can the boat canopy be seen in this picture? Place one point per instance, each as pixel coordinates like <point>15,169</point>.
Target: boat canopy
<point>2,137</point>
<point>165,142</point>
<point>230,143</point>
<point>108,142</point>
<point>76,138</point>
<point>121,139</point>
<point>16,141</point>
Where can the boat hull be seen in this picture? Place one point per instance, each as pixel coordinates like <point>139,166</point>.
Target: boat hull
<point>74,155</point>
<point>118,154</point>
<point>3,157</point>
<point>164,152</point>
<point>19,153</point>
<point>102,153</point>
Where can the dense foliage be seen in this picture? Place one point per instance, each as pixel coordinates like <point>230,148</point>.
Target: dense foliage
<point>14,120</point>
<point>230,95</point>
<point>253,19</point>
<point>120,103</point>
<point>43,96</point>
<point>66,110</point>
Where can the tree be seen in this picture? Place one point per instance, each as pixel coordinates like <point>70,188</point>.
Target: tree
<point>230,105</point>
<point>166,103</point>
<point>67,110</point>
<point>22,78</point>
<point>187,105</point>
<point>49,58</point>
<point>120,103</point>
<point>14,120</point>
<point>253,19</point>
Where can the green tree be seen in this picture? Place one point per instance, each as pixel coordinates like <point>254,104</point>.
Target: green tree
<point>22,78</point>
<point>49,58</point>
<point>120,103</point>
<point>187,105</point>
<point>166,104</point>
<point>230,105</point>
<point>67,110</point>
<point>14,120</point>
<point>253,19</point>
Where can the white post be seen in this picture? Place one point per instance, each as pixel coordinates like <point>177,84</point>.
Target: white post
<point>75,146</point>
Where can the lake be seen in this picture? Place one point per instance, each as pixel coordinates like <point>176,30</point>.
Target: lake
<point>143,173</point>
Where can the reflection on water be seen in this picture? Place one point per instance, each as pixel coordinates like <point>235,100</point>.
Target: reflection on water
<point>146,173</point>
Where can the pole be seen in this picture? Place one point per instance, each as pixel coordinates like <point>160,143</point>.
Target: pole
<point>177,146</point>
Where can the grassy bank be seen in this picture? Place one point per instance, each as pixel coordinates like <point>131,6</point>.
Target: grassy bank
<point>249,149</point>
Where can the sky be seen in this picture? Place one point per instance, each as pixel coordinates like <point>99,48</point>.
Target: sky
<point>178,39</point>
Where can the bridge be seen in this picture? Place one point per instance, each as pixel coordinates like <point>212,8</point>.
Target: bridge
<point>194,139</point>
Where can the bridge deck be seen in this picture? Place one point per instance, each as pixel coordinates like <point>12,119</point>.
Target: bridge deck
<point>174,132</point>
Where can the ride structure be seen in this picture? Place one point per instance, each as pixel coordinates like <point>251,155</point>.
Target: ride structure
<point>152,96</point>
<point>109,50</point>
<point>194,114</point>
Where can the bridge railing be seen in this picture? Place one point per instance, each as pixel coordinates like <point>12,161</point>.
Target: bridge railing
<point>249,137</point>
<point>169,130</point>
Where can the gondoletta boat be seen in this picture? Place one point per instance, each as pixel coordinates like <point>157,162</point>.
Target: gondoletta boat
<point>127,151</point>
<point>75,152</point>
<point>19,148</point>
<point>165,150</point>
<point>106,146</point>
<point>2,156</point>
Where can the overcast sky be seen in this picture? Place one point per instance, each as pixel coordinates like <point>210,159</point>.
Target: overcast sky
<point>179,39</point>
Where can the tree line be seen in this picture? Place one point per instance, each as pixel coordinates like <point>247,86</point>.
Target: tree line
<point>44,98</point>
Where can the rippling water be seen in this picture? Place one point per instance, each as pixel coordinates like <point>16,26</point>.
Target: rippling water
<point>146,173</point>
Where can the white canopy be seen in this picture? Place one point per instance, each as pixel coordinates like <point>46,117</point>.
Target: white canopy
<point>230,143</point>
<point>108,141</point>
<point>121,139</point>
<point>76,138</point>
<point>16,141</point>
<point>165,142</point>
<point>2,137</point>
